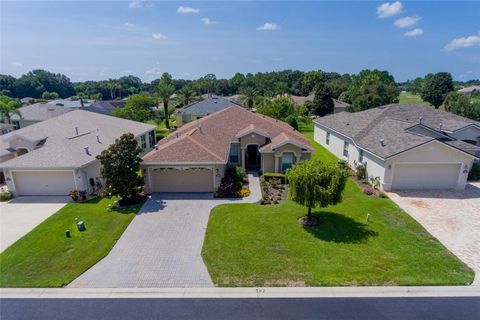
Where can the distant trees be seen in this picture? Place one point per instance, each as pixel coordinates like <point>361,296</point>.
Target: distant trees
<point>8,107</point>
<point>340,85</point>
<point>50,95</point>
<point>436,87</point>
<point>137,108</point>
<point>165,90</point>
<point>322,103</point>
<point>282,108</point>
<point>371,89</point>
<point>462,105</point>
<point>248,96</point>
<point>185,96</point>
<point>414,86</point>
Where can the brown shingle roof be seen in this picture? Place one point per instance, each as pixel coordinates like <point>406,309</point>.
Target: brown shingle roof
<point>207,140</point>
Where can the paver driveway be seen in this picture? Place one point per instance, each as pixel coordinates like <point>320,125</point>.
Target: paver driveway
<point>20,215</point>
<point>453,217</point>
<point>162,246</point>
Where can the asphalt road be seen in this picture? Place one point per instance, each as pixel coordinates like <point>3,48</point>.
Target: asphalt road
<point>246,308</point>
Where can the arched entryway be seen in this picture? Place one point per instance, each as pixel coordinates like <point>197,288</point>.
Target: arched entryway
<point>252,157</point>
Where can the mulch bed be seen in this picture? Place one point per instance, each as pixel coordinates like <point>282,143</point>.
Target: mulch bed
<point>273,192</point>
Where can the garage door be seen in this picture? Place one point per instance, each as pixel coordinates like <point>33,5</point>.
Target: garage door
<point>425,176</point>
<point>192,180</point>
<point>43,183</point>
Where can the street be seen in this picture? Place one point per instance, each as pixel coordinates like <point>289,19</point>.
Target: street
<point>242,308</point>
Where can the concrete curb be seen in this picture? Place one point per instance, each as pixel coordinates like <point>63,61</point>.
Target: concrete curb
<point>297,292</point>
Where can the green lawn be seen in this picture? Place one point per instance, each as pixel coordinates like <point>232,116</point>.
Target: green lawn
<point>410,98</point>
<point>161,130</point>
<point>45,257</point>
<point>252,245</point>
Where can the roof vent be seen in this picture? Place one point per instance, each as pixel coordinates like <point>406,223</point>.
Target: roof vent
<point>420,120</point>
<point>440,126</point>
<point>86,150</point>
<point>200,129</point>
<point>382,142</point>
<point>98,138</point>
<point>76,131</point>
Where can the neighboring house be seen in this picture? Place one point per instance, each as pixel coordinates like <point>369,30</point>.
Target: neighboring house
<point>27,100</point>
<point>200,109</point>
<point>69,103</point>
<point>36,112</point>
<point>105,106</point>
<point>470,90</point>
<point>339,106</point>
<point>6,128</point>
<point>57,155</point>
<point>406,146</point>
<point>194,158</point>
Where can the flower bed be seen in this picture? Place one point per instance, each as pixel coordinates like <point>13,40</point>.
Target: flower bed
<point>273,190</point>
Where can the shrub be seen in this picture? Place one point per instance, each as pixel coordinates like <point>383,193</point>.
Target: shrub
<point>270,176</point>
<point>343,164</point>
<point>5,196</point>
<point>365,181</point>
<point>244,193</point>
<point>292,120</point>
<point>231,183</point>
<point>375,182</point>
<point>361,171</point>
<point>382,195</point>
<point>368,190</point>
<point>474,174</point>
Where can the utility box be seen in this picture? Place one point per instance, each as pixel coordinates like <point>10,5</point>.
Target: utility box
<point>81,225</point>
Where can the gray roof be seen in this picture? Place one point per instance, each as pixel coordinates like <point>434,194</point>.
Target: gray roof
<point>207,106</point>
<point>340,104</point>
<point>6,125</point>
<point>71,103</point>
<point>470,89</point>
<point>390,123</point>
<point>105,106</point>
<point>62,147</point>
<point>40,112</point>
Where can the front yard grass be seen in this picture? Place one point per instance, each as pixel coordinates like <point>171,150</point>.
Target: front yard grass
<point>252,245</point>
<point>45,257</point>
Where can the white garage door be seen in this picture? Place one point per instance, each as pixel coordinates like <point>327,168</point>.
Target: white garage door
<point>43,183</point>
<point>425,176</point>
<point>182,181</point>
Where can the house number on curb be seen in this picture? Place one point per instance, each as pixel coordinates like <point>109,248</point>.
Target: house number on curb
<point>260,290</point>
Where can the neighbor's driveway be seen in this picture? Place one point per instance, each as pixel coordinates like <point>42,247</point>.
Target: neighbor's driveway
<point>20,215</point>
<point>453,217</point>
<point>162,246</point>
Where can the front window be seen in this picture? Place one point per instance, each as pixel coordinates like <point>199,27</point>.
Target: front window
<point>287,161</point>
<point>151,138</point>
<point>345,148</point>
<point>327,140</point>
<point>360,156</point>
<point>234,153</point>
<point>143,142</point>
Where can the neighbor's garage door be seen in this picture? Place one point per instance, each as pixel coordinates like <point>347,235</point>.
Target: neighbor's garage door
<point>425,176</point>
<point>43,183</point>
<point>182,181</point>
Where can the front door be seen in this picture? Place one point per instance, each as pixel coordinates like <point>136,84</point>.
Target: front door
<point>252,156</point>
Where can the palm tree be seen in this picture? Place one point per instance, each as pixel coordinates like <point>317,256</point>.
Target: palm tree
<point>186,95</point>
<point>165,92</point>
<point>9,107</point>
<point>248,96</point>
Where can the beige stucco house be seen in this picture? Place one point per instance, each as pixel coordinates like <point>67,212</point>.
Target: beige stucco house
<point>57,155</point>
<point>194,158</point>
<point>406,146</point>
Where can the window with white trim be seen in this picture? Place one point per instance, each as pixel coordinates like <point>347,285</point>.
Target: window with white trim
<point>143,142</point>
<point>234,156</point>
<point>345,148</point>
<point>360,156</point>
<point>327,138</point>
<point>151,138</point>
<point>287,161</point>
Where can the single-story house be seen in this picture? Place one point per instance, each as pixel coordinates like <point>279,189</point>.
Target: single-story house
<point>69,103</point>
<point>36,112</point>
<point>57,155</point>
<point>6,128</point>
<point>470,89</point>
<point>338,106</point>
<point>105,106</point>
<point>200,109</point>
<point>405,146</point>
<point>194,158</point>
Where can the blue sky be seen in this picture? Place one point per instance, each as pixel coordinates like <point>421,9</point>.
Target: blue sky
<point>93,40</point>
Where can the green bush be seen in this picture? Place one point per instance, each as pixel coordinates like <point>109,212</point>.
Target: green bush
<point>382,195</point>
<point>361,171</point>
<point>5,196</point>
<point>278,176</point>
<point>292,120</point>
<point>474,174</point>
<point>231,183</point>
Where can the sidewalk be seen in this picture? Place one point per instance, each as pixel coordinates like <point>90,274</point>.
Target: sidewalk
<point>298,292</point>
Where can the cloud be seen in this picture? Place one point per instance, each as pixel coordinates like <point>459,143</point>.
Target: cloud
<point>187,10</point>
<point>414,33</point>
<point>129,26</point>
<point>386,9</point>
<point>269,26</point>
<point>159,36</point>
<point>406,22</point>
<point>154,71</point>
<point>135,4</point>
<point>208,21</point>
<point>16,64</point>
<point>464,42</point>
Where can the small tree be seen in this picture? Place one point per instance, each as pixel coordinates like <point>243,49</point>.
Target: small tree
<point>436,87</point>
<point>322,100</point>
<point>120,167</point>
<point>313,183</point>
<point>165,92</point>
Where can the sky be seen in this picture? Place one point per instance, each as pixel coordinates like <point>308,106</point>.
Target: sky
<point>95,40</point>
